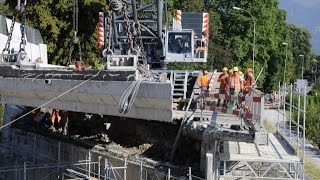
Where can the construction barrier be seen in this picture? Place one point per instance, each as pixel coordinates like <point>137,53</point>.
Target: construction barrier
<point>245,111</point>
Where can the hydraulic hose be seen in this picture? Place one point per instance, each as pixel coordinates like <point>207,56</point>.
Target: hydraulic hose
<point>128,97</point>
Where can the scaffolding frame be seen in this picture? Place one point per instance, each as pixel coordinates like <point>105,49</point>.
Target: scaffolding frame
<point>63,164</point>
<point>263,168</point>
<point>293,126</point>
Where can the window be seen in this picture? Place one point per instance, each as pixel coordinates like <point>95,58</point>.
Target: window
<point>180,43</point>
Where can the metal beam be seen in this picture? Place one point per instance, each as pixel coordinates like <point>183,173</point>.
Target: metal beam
<point>159,15</point>
<point>139,9</point>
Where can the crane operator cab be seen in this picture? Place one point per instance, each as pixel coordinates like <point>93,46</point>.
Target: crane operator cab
<point>185,46</point>
<point>188,39</point>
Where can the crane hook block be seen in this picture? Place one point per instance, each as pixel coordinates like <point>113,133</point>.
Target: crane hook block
<point>116,5</point>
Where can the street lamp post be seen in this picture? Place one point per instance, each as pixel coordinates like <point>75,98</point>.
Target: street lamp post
<point>315,74</point>
<point>254,33</point>
<point>285,63</point>
<point>302,65</point>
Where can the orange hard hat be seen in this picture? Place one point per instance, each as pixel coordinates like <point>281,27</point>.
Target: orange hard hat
<point>249,70</point>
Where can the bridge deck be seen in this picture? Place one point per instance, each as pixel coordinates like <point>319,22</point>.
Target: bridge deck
<point>216,129</point>
<point>275,151</point>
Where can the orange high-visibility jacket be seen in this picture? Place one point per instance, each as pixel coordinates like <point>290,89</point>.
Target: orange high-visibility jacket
<point>235,82</point>
<point>248,83</point>
<point>204,81</point>
<point>55,116</point>
<point>223,83</point>
<point>227,83</point>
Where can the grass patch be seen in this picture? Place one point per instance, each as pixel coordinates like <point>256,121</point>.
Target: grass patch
<point>269,128</point>
<point>311,169</point>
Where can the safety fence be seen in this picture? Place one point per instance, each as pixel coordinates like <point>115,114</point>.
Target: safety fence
<point>291,125</point>
<point>250,106</point>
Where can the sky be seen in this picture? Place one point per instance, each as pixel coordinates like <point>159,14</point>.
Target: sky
<point>305,13</point>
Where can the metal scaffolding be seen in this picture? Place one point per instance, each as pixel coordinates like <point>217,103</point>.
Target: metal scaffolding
<point>282,157</point>
<point>291,126</point>
<point>28,153</point>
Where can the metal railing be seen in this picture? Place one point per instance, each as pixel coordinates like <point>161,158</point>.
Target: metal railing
<point>292,119</point>
<point>291,126</point>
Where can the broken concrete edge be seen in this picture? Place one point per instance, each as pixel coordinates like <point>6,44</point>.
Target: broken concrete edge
<point>210,134</point>
<point>134,159</point>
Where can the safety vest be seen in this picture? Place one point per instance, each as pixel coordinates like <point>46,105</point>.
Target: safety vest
<point>55,116</point>
<point>223,83</point>
<point>248,84</point>
<point>235,83</point>
<point>204,81</point>
<point>227,82</point>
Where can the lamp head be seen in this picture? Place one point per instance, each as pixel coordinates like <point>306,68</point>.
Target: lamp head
<point>236,8</point>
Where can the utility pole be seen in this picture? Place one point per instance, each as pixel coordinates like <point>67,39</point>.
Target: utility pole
<point>254,33</point>
<point>302,65</point>
<point>285,63</point>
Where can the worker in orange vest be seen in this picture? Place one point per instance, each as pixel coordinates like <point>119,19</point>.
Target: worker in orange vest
<point>222,80</point>
<point>55,120</point>
<point>241,78</point>
<point>235,84</point>
<point>249,81</point>
<point>204,81</point>
<point>64,122</point>
<point>227,87</point>
<point>59,121</point>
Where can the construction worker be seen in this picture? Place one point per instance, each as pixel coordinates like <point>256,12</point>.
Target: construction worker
<point>249,81</point>
<point>55,120</point>
<point>235,84</point>
<point>204,81</point>
<point>227,87</point>
<point>242,80</point>
<point>63,125</point>
<point>241,76</point>
<point>222,80</point>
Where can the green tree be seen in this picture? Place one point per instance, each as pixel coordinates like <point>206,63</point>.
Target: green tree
<point>236,33</point>
<point>301,45</point>
<point>54,20</point>
<point>5,10</point>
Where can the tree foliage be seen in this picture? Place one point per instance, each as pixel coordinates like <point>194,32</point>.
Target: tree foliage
<point>5,10</point>
<point>231,35</point>
<point>312,114</point>
<point>301,45</point>
<point>54,20</point>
